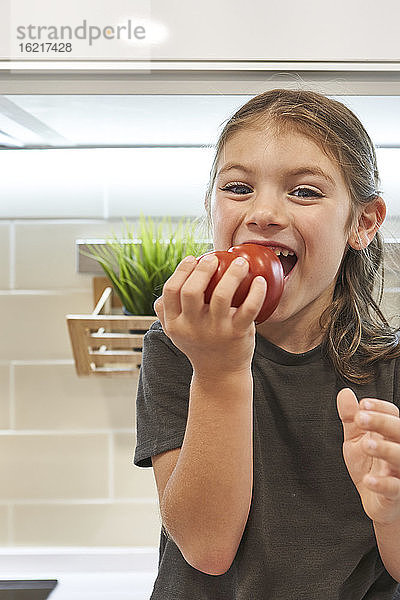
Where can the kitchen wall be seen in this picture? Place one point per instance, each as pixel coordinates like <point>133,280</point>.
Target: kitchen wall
<point>66,443</point>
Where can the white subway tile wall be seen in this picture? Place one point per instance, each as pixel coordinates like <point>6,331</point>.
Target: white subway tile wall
<point>134,523</point>
<point>55,466</point>
<point>4,524</point>
<point>33,322</point>
<point>66,443</point>
<point>49,396</point>
<point>4,396</point>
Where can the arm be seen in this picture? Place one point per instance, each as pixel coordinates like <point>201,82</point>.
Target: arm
<point>207,499</point>
<point>388,539</point>
<point>206,502</point>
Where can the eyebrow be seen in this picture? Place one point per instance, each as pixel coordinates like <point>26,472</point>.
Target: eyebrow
<point>303,170</point>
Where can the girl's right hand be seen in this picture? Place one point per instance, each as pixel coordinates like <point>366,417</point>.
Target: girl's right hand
<point>216,338</point>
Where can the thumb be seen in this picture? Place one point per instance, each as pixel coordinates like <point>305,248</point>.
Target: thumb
<point>347,406</point>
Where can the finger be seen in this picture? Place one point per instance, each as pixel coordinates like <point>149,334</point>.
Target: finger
<point>172,288</point>
<point>379,406</point>
<point>347,406</point>
<point>192,293</point>
<point>387,486</point>
<point>387,451</point>
<point>159,310</point>
<point>249,309</point>
<point>385,424</point>
<point>222,296</point>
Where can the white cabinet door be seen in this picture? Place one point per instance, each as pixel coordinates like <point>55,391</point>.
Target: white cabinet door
<point>270,30</point>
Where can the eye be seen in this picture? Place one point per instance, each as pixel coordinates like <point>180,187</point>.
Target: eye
<point>236,184</point>
<point>313,193</point>
<point>236,187</point>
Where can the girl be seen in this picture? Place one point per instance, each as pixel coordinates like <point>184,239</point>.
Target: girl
<point>272,483</point>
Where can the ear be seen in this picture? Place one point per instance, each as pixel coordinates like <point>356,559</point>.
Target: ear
<point>369,222</point>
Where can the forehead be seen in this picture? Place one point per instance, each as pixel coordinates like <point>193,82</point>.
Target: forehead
<point>265,151</point>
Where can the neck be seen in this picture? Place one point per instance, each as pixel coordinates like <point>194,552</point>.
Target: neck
<point>297,334</point>
<point>295,342</point>
<point>301,332</point>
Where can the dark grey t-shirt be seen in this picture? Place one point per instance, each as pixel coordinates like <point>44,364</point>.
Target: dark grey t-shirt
<point>307,536</point>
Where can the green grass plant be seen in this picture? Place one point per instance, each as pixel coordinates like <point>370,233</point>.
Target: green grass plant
<point>139,263</point>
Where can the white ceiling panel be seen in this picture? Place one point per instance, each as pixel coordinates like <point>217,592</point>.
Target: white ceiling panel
<point>127,120</point>
<point>123,120</point>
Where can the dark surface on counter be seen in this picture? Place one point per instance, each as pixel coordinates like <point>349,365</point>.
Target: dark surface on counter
<point>28,589</point>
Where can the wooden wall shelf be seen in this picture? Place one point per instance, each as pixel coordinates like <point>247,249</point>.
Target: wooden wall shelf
<point>104,343</point>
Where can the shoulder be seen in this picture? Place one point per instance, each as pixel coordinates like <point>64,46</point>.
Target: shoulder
<point>389,375</point>
<point>396,382</point>
<point>156,334</point>
<point>156,341</point>
<point>156,326</point>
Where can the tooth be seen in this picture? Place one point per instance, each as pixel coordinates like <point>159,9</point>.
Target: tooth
<point>283,251</point>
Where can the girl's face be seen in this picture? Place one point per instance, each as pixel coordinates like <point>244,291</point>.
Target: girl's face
<point>263,193</point>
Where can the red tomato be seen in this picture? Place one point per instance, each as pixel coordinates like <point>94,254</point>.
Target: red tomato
<point>262,261</point>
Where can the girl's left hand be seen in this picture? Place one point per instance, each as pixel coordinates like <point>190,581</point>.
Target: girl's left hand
<point>381,500</point>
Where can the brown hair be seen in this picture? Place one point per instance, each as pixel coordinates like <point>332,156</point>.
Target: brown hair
<point>356,333</point>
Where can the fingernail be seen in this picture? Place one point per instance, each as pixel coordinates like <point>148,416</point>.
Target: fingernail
<point>371,444</point>
<point>240,261</point>
<point>368,405</point>
<point>188,260</point>
<point>209,258</point>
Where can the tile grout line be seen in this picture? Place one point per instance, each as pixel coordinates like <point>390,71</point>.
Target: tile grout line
<point>12,397</point>
<point>12,256</point>
<point>11,502</point>
<point>60,432</point>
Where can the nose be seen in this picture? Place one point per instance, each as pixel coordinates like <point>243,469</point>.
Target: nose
<point>268,208</point>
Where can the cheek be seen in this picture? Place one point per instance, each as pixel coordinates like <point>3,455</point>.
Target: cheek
<point>325,245</point>
<point>224,224</point>
<point>325,255</point>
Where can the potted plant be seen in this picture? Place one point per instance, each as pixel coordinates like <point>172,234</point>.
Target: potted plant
<point>139,264</point>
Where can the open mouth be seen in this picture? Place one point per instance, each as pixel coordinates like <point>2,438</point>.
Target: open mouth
<point>287,257</point>
<point>288,262</point>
